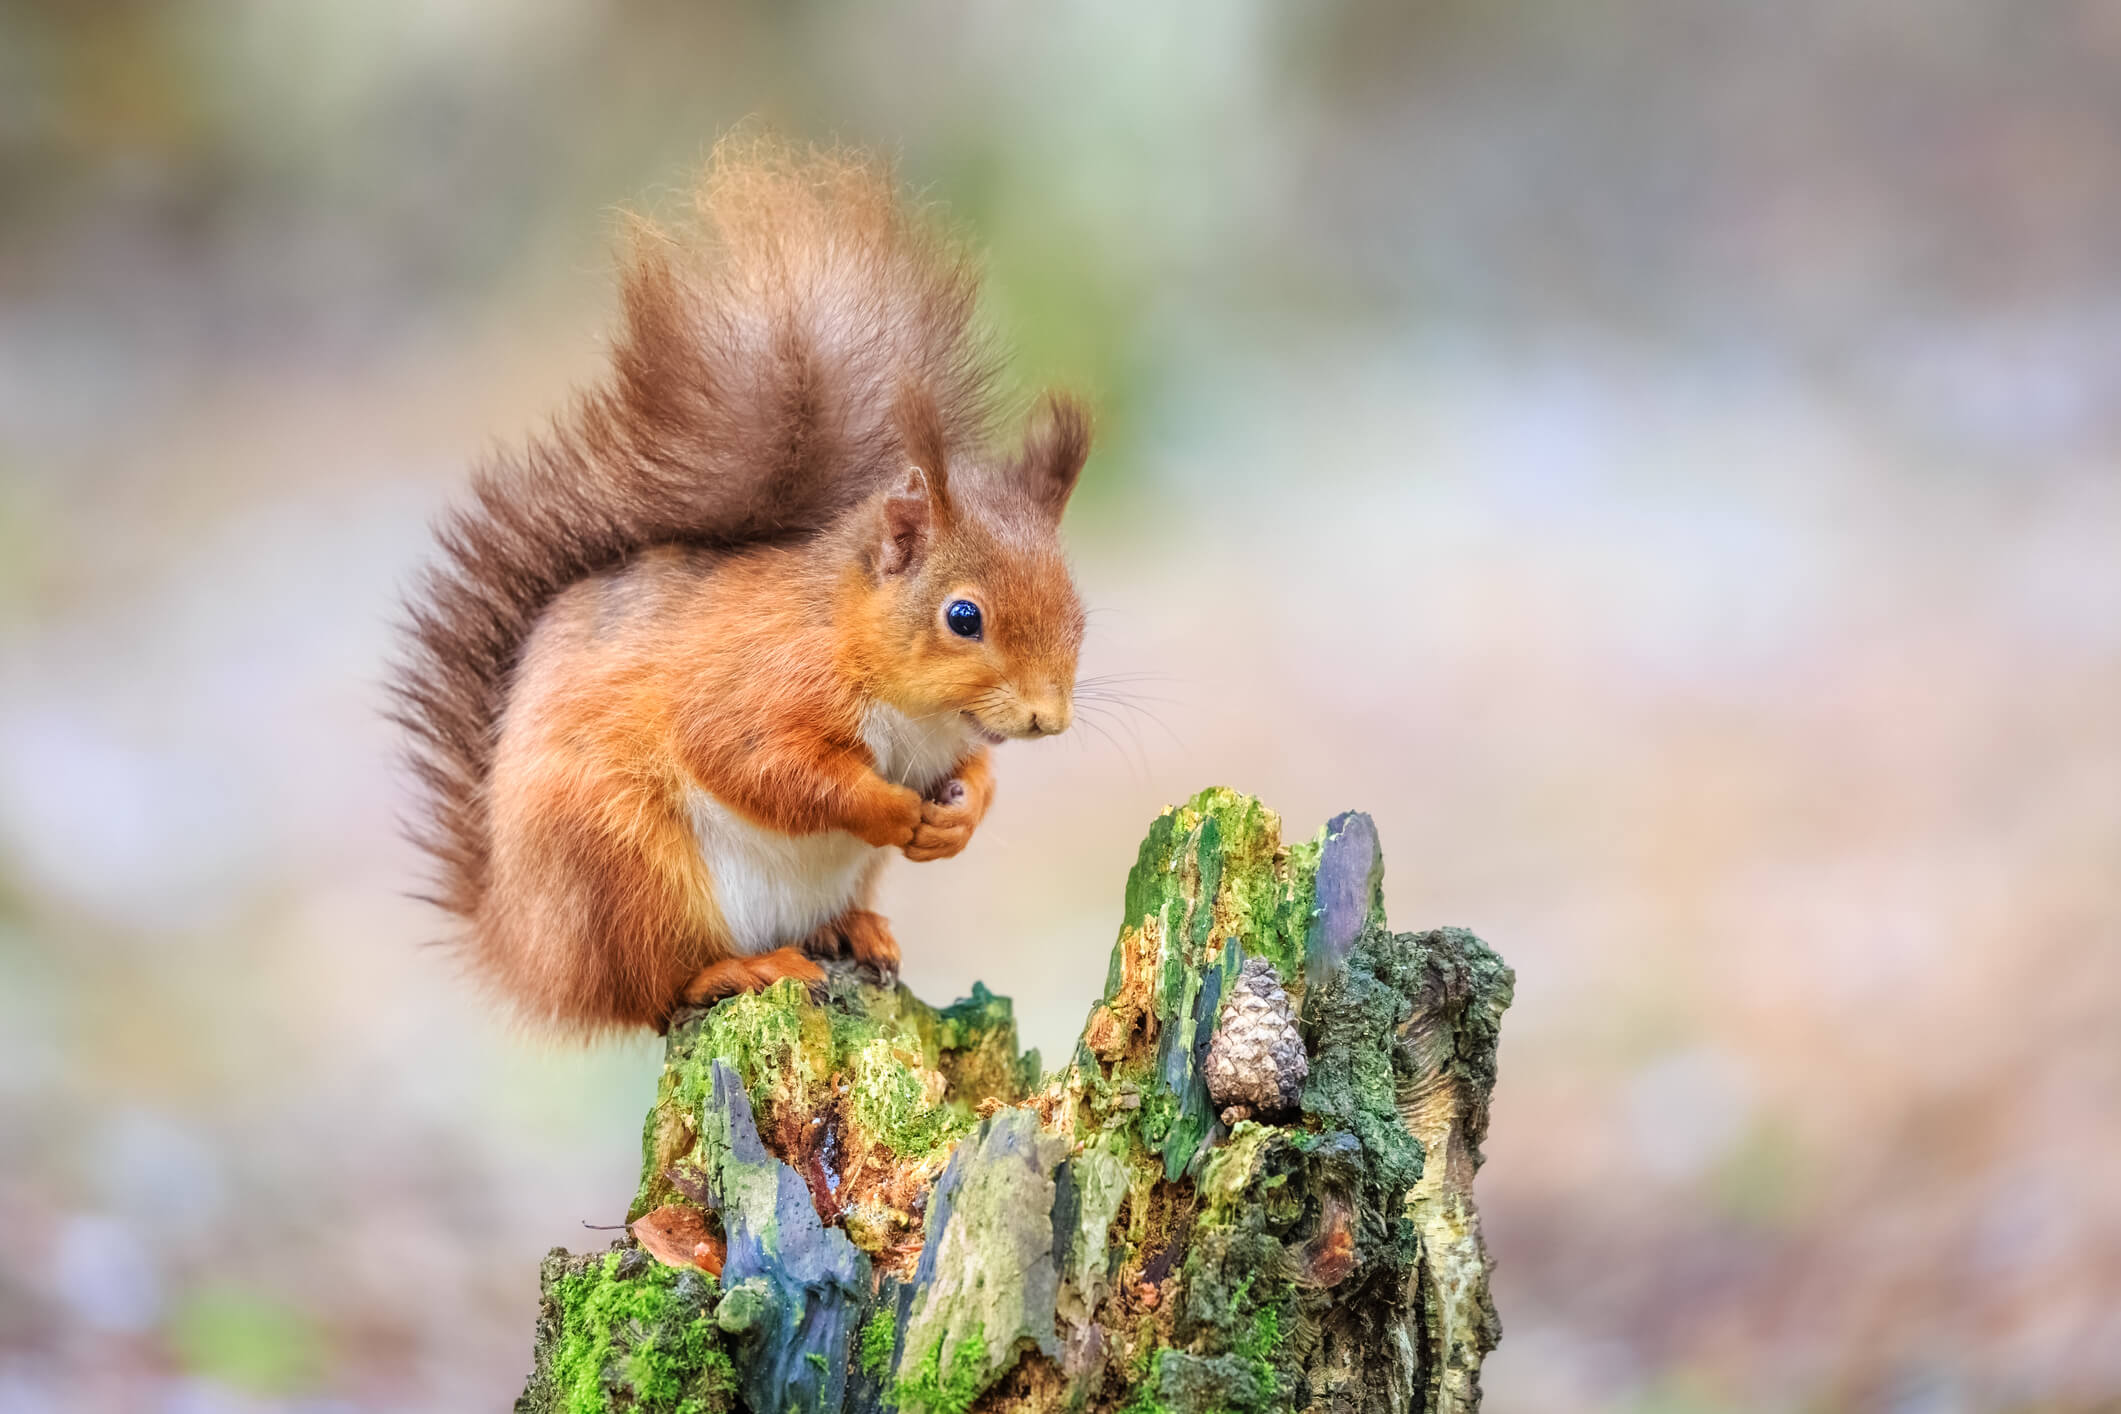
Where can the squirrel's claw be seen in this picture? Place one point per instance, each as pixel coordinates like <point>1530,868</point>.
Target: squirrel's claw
<point>861,934</point>
<point>869,941</point>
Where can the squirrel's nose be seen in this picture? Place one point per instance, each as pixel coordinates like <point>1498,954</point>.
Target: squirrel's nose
<point>1050,719</point>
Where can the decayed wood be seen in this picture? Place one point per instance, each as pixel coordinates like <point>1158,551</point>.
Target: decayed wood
<point>863,1203</point>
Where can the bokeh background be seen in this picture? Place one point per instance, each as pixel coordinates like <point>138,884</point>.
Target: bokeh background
<point>1662,459</point>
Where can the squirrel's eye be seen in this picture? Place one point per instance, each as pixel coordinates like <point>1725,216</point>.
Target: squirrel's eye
<point>963,617</point>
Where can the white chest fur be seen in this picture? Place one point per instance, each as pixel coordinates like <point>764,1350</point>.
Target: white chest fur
<point>774,889</point>
<point>920,752</point>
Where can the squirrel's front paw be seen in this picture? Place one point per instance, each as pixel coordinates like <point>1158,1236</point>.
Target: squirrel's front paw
<point>945,828</point>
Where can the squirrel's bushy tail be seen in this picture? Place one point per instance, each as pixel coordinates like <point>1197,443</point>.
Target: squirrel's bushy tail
<point>751,397</point>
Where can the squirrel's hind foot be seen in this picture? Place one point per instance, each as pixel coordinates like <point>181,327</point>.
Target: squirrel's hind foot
<point>751,974</point>
<point>861,934</point>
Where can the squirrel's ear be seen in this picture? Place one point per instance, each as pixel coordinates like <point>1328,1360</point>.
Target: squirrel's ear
<point>909,522</point>
<point>1054,451</point>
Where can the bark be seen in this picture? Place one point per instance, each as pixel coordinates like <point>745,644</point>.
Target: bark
<point>862,1203</point>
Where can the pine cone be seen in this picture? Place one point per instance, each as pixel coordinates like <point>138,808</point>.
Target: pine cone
<point>1256,1060</point>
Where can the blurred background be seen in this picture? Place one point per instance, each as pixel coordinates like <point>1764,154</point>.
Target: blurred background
<point>1663,460</point>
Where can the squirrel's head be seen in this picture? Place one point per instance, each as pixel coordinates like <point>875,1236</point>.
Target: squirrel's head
<point>966,585</point>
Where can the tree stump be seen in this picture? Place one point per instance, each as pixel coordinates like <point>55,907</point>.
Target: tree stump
<point>859,1202</point>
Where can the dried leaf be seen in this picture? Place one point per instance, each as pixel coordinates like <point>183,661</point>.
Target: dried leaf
<point>678,1236</point>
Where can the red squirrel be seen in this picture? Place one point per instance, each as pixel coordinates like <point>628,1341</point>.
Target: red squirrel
<point>748,617</point>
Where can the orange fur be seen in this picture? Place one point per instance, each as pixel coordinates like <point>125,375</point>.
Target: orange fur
<point>686,668</point>
<point>731,975</point>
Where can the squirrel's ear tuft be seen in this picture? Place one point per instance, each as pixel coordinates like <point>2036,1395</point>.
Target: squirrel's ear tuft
<point>909,522</point>
<point>917,504</point>
<point>1054,451</point>
<point>920,430</point>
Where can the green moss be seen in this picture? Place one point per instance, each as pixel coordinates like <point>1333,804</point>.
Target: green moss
<point>1235,1293</point>
<point>976,1047</point>
<point>1264,1341</point>
<point>1235,1298</point>
<point>772,1039</point>
<point>1354,1082</point>
<point>887,1100</point>
<point>869,1053</point>
<point>966,1021</point>
<point>878,1343</point>
<point>779,1044</point>
<point>1211,886</point>
<point>1145,1400</point>
<point>1215,867</point>
<point>1145,886</point>
<point>1235,1173</point>
<point>636,1335</point>
<point>1159,1108</point>
<point>1260,1342</point>
<point>1181,1382</point>
<point>1225,1354</point>
<point>930,1389</point>
<point>1243,1378</point>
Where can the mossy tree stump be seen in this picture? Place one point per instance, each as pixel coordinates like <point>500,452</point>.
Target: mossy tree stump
<point>863,1203</point>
